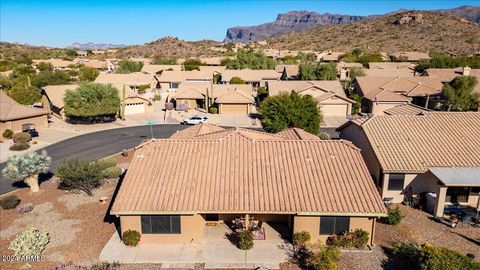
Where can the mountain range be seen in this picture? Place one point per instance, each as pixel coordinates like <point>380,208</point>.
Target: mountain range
<point>297,21</point>
<point>94,46</point>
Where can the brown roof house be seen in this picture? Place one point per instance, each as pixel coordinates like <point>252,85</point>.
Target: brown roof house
<point>257,78</point>
<point>13,115</point>
<point>382,93</point>
<point>208,175</point>
<point>432,153</point>
<point>132,80</point>
<point>57,64</point>
<point>157,69</point>
<point>448,74</point>
<point>171,80</point>
<point>53,98</point>
<point>333,102</point>
<point>230,98</point>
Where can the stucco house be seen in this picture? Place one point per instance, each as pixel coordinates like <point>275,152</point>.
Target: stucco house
<point>382,93</point>
<point>435,153</point>
<point>257,78</point>
<point>57,64</point>
<point>208,175</point>
<point>336,107</point>
<point>133,80</point>
<point>170,81</point>
<point>13,115</point>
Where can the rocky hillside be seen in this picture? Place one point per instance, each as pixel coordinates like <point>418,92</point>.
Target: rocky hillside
<point>296,21</point>
<point>407,31</point>
<point>170,46</point>
<point>293,21</point>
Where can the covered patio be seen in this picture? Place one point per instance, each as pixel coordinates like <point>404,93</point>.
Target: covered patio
<point>458,190</point>
<point>214,251</point>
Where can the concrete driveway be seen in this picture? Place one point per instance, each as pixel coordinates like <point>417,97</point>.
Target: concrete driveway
<point>215,251</point>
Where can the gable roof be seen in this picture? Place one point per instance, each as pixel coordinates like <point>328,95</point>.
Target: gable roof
<point>248,172</point>
<point>408,109</point>
<point>55,62</point>
<point>413,56</point>
<point>11,110</point>
<point>250,75</point>
<point>56,93</point>
<point>332,56</point>
<point>413,143</point>
<point>154,69</point>
<point>182,76</point>
<point>297,134</point>
<point>448,74</point>
<point>390,65</point>
<point>235,97</point>
<point>131,79</point>
<point>401,72</point>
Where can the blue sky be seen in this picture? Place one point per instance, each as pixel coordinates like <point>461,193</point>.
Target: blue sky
<point>60,22</point>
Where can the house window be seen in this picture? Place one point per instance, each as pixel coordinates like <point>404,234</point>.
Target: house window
<point>457,194</point>
<point>474,190</point>
<point>161,224</point>
<point>334,225</point>
<point>175,85</point>
<point>396,181</point>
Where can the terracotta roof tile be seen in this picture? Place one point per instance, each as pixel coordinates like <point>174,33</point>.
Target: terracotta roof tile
<point>12,110</point>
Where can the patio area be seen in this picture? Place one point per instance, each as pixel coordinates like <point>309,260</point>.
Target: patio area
<point>214,251</point>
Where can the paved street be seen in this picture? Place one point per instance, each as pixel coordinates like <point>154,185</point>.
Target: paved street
<point>97,145</point>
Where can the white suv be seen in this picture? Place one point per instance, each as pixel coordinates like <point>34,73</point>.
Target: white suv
<point>197,119</point>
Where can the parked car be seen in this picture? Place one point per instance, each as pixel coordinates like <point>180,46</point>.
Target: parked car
<point>30,129</point>
<point>197,119</point>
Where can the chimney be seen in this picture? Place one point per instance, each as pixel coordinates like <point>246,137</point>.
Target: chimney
<point>343,74</point>
<point>466,71</point>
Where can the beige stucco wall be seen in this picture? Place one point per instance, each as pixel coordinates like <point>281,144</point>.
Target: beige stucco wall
<point>311,224</point>
<point>191,230</point>
<point>423,182</point>
<point>234,108</point>
<point>356,135</point>
<point>381,107</point>
<point>191,103</point>
<point>16,125</point>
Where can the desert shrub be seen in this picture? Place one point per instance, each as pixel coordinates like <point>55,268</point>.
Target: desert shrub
<point>7,134</point>
<point>213,110</point>
<point>10,202</point>
<point>301,238</point>
<point>324,259</point>
<point>106,163</point>
<point>394,216</point>
<point>21,137</point>
<point>236,80</point>
<point>357,239</point>
<point>80,175</point>
<point>105,266</point>
<point>19,146</point>
<point>432,257</point>
<point>30,243</point>
<point>324,136</point>
<point>245,240</point>
<point>112,172</point>
<point>131,238</point>
<point>157,97</point>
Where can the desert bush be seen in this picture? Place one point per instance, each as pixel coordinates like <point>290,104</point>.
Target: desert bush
<point>301,238</point>
<point>112,172</point>
<point>131,238</point>
<point>30,243</point>
<point>105,266</point>
<point>7,134</point>
<point>213,110</point>
<point>324,136</point>
<point>19,146</point>
<point>10,202</point>
<point>357,239</point>
<point>21,137</point>
<point>106,163</point>
<point>245,240</point>
<point>80,175</point>
<point>157,97</point>
<point>432,257</point>
<point>325,259</point>
<point>394,216</point>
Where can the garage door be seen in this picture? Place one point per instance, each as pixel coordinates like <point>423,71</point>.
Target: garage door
<point>134,108</point>
<point>234,109</point>
<point>334,109</point>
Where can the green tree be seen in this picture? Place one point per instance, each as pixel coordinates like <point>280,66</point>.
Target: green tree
<point>44,66</point>
<point>87,73</point>
<point>236,80</point>
<point>92,100</point>
<point>192,64</point>
<point>23,69</point>
<point>247,58</point>
<point>89,52</point>
<point>6,65</point>
<point>71,53</point>
<point>317,71</point>
<point>26,168</point>
<point>459,95</point>
<point>127,66</point>
<point>358,103</point>
<point>290,110</point>
<point>307,57</point>
<point>56,77</point>
<point>24,94</point>
<point>290,60</point>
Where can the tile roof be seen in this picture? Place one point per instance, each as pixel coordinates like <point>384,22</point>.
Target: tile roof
<point>248,172</point>
<point>390,65</point>
<point>154,69</point>
<point>297,134</point>
<point>448,74</point>
<point>413,56</point>
<point>195,131</point>
<point>345,65</point>
<point>402,72</point>
<point>235,97</point>
<point>276,87</point>
<point>132,79</point>
<point>219,90</point>
<point>250,75</point>
<point>413,143</point>
<point>12,110</point>
<point>182,76</point>
<point>292,70</point>
<point>56,93</point>
<point>56,63</point>
<point>406,109</point>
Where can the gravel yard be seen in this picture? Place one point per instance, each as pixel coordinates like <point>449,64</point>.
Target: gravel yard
<point>75,222</point>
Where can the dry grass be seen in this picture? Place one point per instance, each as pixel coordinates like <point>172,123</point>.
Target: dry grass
<point>436,32</point>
